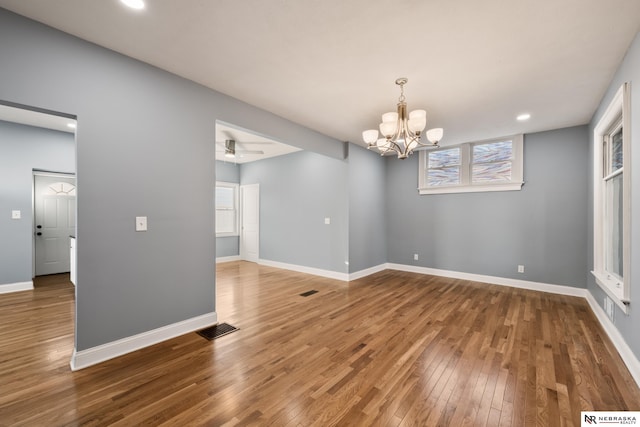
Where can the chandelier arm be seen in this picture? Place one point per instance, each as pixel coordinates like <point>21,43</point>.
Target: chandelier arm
<point>393,145</point>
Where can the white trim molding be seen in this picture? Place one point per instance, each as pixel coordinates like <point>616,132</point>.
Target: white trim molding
<point>632,362</point>
<point>16,287</point>
<point>308,270</point>
<point>618,113</point>
<point>92,356</point>
<point>367,272</point>
<point>494,280</point>
<point>227,259</point>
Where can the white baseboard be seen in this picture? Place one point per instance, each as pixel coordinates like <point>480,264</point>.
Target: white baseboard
<point>632,362</point>
<point>91,356</point>
<point>227,258</point>
<point>309,270</point>
<point>367,272</point>
<point>494,280</point>
<point>627,355</point>
<point>16,287</point>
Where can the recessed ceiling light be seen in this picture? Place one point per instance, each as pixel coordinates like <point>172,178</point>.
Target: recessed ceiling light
<point>134,4</point>
<point>72,125</point>
<point>523,117</point>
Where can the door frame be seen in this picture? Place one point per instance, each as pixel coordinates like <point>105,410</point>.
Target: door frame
<point>54,174</point>
<point>241,250</point>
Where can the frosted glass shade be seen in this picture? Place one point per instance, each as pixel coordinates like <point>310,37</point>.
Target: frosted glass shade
<point>382,145</point>
<point>417,124</point>
<point>390,117</point>
<point>434,135</point>
<point>415,114</point>
<point>370,136</point>
<point>388,128</point>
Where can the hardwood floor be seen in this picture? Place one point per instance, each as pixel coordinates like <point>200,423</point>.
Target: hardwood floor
<point>392,349</point>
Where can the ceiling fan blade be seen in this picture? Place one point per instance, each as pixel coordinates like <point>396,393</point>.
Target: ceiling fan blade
<point>250,151</point>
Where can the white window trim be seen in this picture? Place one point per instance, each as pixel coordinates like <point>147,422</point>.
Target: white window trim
<point>619,292</point>
<point>236,188</point>
<point>465,170</point>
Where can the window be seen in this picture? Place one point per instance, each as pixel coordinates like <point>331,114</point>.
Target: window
<point>611,219</point>
<point>226,209</point>
<point>494,165</point>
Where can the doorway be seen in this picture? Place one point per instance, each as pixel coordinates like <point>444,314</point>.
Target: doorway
<point>54,201</point>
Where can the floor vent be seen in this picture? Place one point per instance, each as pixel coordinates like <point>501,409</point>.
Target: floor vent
<point>217,331</point>
<point>306,294</point>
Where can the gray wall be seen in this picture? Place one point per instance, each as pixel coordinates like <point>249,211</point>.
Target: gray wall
<point>367,209</point>
<point>229,245</point>
<point>297,191</point>
<point>144,146</point>
<point>22,149</point>
<point>541,227</point>
<point>629,71</point>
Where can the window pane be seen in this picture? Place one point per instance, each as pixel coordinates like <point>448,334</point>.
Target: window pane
<point>492,152</point>
<point>613,224</point>
<point>491,172</point>
<point>616,151</point>
<point>225,221</point>
<point>225,198</point>
<point>443,176</point>
<point>450,157</point>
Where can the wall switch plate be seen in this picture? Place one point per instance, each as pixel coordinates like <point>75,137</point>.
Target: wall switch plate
<point>16,214</point>
<point>327,221</point>
<point>415,257</point>
<point>521,269</point>
<point>141,223</point>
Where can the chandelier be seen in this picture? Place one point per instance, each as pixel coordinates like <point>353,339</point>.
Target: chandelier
<point>401,132</point>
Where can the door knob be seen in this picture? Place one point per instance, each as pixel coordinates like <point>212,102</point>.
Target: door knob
<point>38,226</point>
<point>38,234</point>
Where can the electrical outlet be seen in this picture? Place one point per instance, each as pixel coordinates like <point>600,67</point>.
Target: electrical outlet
<point>415,257</point>
<point>609,308</point>
<point>16,214</point>
<point>521,269</point>
<point>327,221</point>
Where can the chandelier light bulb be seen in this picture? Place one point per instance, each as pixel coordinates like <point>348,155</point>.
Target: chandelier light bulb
<point>388,128</point>
<point>370,136</point>
<point>417,121</point>
<point>391,117</point>
<point>435,135</point>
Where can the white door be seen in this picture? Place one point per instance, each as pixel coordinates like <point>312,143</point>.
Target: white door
<point>250,222</point>
<point>54,222</point>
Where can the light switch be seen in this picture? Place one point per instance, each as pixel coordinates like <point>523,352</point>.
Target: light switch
<point>327,221</point>
<point>16,214</point>
<point>141,223</point>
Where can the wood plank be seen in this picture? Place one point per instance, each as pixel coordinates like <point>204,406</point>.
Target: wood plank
<point>390,349</point>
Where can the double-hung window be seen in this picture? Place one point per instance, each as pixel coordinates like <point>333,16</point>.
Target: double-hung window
<point>494,165</point>
<point>226,209</point>
<point>612,199</point>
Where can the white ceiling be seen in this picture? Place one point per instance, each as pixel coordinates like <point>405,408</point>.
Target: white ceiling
<point>331,64</point>
<point>34,118</point>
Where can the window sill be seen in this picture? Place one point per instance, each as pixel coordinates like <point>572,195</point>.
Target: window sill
<point>613,290</point>
<point>472,188</point>
<point>227,235</point>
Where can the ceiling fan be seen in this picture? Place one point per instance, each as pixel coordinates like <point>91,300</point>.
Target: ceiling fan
<point>232,147</point>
